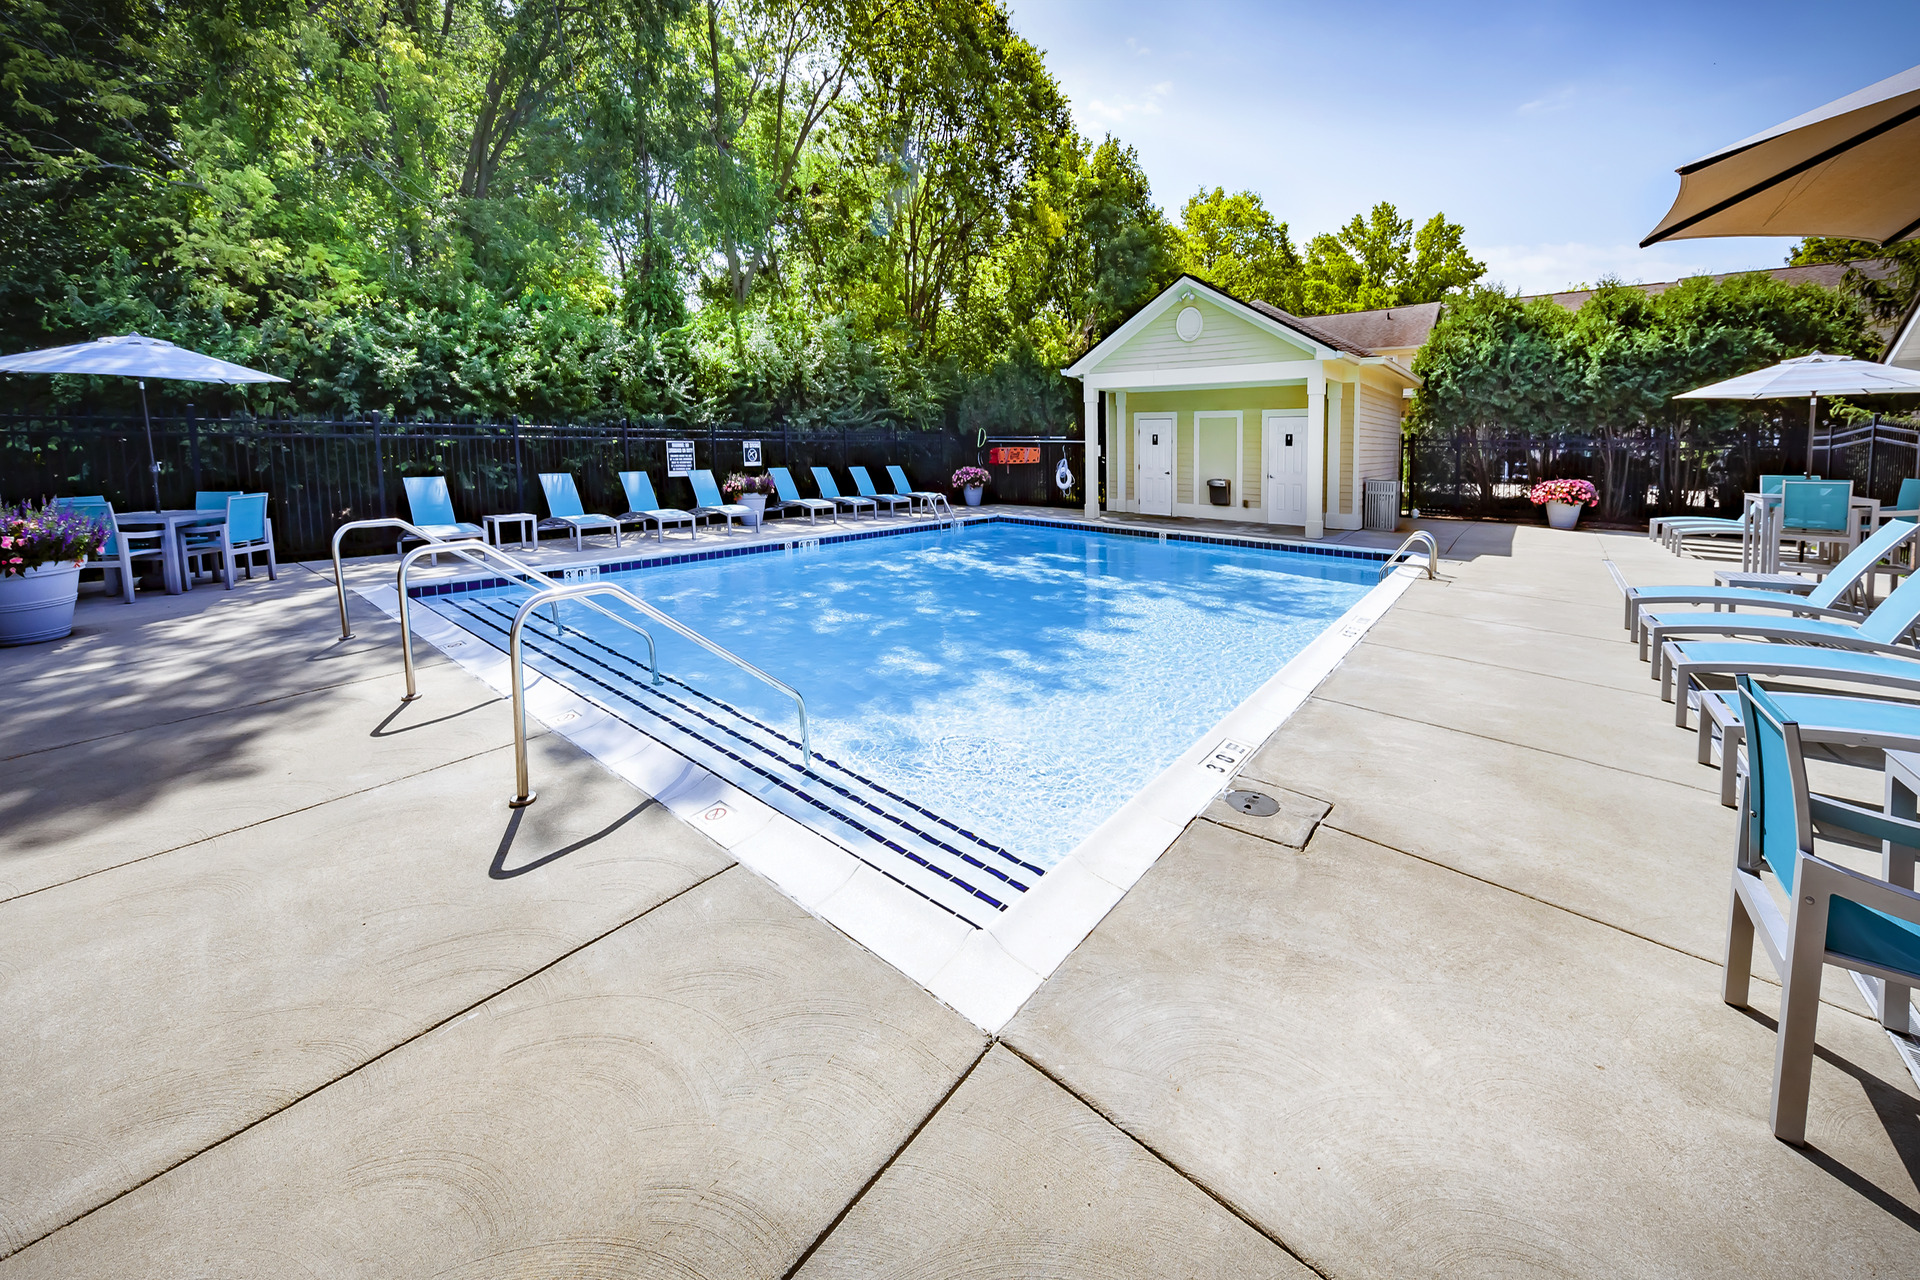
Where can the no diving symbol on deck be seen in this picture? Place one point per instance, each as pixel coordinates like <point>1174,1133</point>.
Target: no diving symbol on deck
<point>716,813</point>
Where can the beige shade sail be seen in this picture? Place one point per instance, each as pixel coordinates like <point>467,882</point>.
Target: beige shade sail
<point>1848,169</point>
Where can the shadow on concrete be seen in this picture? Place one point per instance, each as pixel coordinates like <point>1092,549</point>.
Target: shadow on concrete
<point>501,871</point>
<point>1899,1114</point>
<point>381,731</point>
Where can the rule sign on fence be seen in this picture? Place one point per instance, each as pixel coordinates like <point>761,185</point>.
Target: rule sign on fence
<point>750,454</point>
<point>679,457</point>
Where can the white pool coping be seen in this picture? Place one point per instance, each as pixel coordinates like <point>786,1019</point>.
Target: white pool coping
<point>986,973</point>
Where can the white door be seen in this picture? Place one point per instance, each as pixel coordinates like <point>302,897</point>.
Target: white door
<point>1284,448</point>
<point>1153,462</point>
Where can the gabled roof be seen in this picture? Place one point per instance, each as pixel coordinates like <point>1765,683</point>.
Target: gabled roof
<point>1271,319</point>
<point>1316,329</point>
<point>1904,349</point>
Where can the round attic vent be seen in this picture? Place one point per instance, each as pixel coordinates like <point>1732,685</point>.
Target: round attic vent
<point>1188,324</point>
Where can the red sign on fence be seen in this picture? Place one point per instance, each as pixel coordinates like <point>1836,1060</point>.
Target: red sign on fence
<point>1009,454</point>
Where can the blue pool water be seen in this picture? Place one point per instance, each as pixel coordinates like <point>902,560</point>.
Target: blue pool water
<point>1021,682</point>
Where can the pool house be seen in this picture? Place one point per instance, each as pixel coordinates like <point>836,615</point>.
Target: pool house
<point>1220,409</point>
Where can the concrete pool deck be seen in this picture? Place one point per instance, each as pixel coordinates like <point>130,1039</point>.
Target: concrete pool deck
<point>289,991</point>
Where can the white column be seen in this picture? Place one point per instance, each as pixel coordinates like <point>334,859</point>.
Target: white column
<point>1316,454</point>
<point>1091,468</point>
<point>1336,440</point>
<point>1121,447</point>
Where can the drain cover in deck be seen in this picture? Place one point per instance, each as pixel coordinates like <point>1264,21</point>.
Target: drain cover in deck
<point>1253,803</point>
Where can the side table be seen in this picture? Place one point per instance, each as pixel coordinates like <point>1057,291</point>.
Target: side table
<point>524,521</point>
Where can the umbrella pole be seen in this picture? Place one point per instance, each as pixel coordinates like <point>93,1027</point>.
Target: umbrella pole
<point>1813,408</point>
<point>153,463</point>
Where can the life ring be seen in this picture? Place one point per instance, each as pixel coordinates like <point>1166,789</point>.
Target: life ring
<point>1063,476</point>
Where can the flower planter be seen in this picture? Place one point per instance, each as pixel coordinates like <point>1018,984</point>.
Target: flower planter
<point>38,605</point>
<point>1563,515</point>
<point>756,503</point>
<point>973,493</point>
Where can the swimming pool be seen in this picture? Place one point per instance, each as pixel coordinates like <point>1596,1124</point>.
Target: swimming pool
<point>984,697</point>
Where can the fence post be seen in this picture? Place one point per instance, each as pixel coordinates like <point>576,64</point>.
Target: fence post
<point>519,483</point>
<point>379,469</point>
<point>193,444</point>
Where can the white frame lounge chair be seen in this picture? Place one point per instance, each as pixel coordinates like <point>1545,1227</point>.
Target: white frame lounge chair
<point>790,496</point>
<point>864,483</point>
<point>566,512</point>
<point>1878,632</point>
<point>1858,566</point>
<point>707,494</point>
<point>644,506</point>
<point>927,496</point>
<point>1687,661</point>
<point>1835,916</point>
<point>431,507</point>
<point>830,488</point>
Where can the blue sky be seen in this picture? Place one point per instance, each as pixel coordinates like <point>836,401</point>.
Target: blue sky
<point>1550,131</point>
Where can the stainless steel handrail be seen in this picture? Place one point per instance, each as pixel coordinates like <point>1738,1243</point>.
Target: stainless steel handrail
<point>1418,535</point>
<point>525,795</point>
<point>339,580</point>
<point>472,551</point>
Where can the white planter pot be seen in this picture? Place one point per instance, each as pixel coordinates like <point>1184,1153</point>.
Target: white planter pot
<point>973,495</point>
<point>1563,515</point>
<point>38,605</point>
<point>756,503</point>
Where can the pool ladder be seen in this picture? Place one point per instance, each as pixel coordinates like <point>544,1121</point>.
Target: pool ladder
<point>545,592</point>
<point>1394,561</point>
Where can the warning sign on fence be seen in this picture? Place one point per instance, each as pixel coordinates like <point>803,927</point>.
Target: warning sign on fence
<point>1008,454</point>
<point>679,457</point>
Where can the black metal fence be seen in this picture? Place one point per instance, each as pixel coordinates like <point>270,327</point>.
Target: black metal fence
<point>1642,476</point>
<point>321,474</point>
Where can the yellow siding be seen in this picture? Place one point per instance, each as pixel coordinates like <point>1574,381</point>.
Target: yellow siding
<point>1224,338</point>
<point>1183,460</point>
<point>1377,434</point>
<point>1250,470</point>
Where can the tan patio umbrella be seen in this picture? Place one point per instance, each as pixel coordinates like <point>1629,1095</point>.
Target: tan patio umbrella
<point>1848,169</point>
<point>1812,376</point>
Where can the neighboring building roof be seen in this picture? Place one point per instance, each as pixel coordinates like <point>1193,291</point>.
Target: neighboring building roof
<point>1312,329</point>
<point>1825,274</point>
<point>1392,328</point>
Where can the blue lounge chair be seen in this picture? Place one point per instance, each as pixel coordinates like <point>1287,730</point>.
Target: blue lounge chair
<point>1665,528</point>
<point>1688,661</point>
<point>1824,599</point>
<point>1835,915</point>
<point>823,480</point>
<point>119,552</point>
<point>1878,632</point>
<point>707,494</point>
<point>642,506</point>
<point>927,496</point>
<point>864,483</point>
<point>246,533</point>
<point>565,511</point>
<point>1829,718</point>
<point>790,496</point>
<point>431,508</point>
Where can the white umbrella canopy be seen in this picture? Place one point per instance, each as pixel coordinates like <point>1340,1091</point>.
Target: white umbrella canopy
<point>132,355</point>
<point>1849,169</point>
<point>1812,376</point>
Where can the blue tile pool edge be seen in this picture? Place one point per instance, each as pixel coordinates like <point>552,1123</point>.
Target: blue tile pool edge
<point>785,542</point>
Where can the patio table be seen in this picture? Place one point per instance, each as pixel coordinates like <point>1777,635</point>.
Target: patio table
<point>172,563</point>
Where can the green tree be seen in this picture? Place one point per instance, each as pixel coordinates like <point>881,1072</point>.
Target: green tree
<point>1377,261</point>
<point>1888,298</point>
<point>1232,241</point>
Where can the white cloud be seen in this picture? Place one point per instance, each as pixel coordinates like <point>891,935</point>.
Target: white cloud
<point>1559,100</point>
<point>1550,268</point>
<point>1119,111</point>
<point>1139,50</point>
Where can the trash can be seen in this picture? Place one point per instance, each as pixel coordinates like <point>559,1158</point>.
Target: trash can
<point>1220,492</point>
<point>1380,505</point>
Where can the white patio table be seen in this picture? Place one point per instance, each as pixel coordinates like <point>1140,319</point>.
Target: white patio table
<point>173,564</point>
